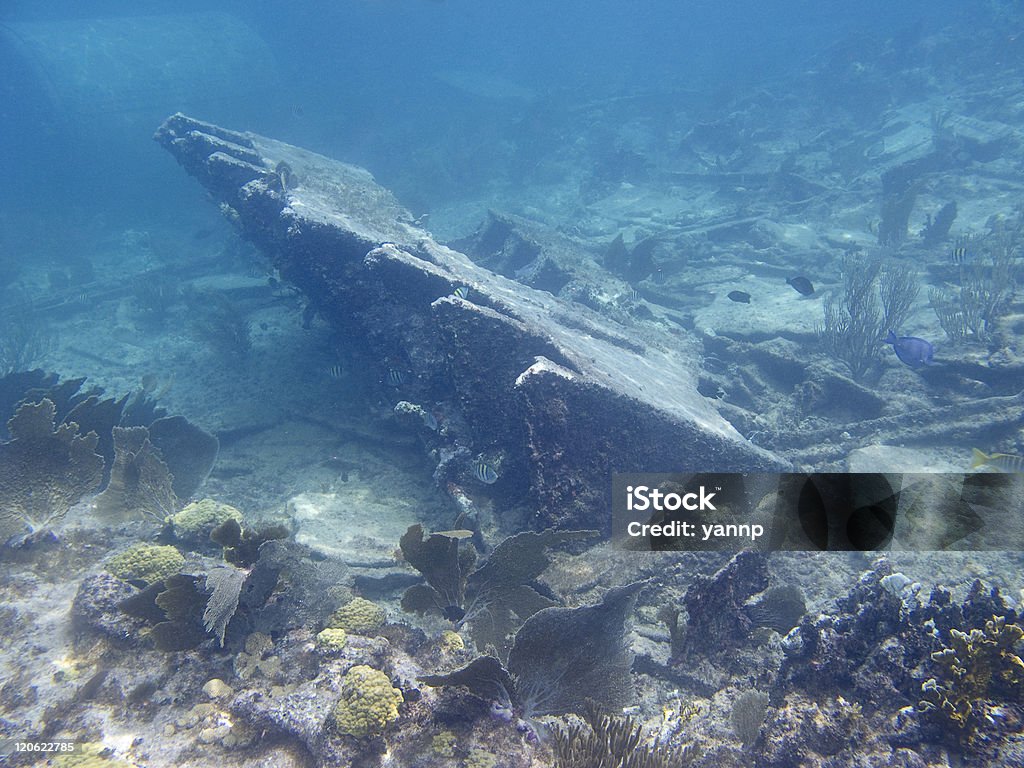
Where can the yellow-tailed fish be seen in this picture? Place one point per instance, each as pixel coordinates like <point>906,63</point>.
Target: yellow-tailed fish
<point>1000,462</point>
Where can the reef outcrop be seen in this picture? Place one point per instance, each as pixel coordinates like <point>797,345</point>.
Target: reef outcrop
<point>561,395</point>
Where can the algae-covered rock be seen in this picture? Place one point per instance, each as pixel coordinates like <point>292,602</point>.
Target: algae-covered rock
<point>258,658</point>
<point>368,702</point>
<point>97,609</point>
<point>146,562</point>
<point>443,744</point>
<point>90,755</point>
<point>195,522</point>
<point>359,616</point>
<point>479,757</point>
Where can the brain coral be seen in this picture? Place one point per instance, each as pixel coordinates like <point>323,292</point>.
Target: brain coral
<point>332,639</point>
<point>359,616</point>
<point>146,562</point>
<point>368,702</point>
<point>198,519</point>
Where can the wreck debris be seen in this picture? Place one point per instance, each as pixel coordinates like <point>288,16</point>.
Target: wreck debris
<point>554,387</point>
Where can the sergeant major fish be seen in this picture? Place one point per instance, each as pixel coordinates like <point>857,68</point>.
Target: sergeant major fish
<point>485,473</point>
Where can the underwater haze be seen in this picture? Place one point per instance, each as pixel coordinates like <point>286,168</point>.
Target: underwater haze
<point>540,384</point>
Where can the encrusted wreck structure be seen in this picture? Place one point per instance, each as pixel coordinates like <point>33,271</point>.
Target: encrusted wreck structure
<point>557,394</point>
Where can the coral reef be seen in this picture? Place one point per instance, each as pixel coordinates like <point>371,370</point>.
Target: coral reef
<point>185,609</point>
<point>748,713</point>
<point>140,482</point>
<point>882,646</point>
<point>492,598</point>
<point>146,467</point>
<point>44,469</point>
<point>779,608</point>
<point>258,659</point>
<point>480,758</point>
<point>443,744</point>
<point>560,657</point>
<point>368,702</point>
<point>241,546</point>
<point>210,723</point>
<point>147,563</point>
<point>224,584</point>
<point>188,450</point>
<point>614,741</point>
<point>452,642</point>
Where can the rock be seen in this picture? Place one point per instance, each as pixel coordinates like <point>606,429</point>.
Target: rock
<point>301,714</point>
<point>95,609</point>
<point>562,393</point>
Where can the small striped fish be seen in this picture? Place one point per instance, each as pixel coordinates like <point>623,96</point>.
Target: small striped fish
<point>462,292</point>
<point>961,254</point>
<point>336,371</point>
<point>395,377</point>
<point>485,473</point>
<point>999,462</point>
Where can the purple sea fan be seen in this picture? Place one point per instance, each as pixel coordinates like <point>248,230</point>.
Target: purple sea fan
<point>561,657</point>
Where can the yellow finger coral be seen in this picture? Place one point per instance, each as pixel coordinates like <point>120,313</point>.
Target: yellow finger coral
<point>443,744</point>
<point>479,757</point>
<point>358,616</point>
<point>368,702</point>
<point>146,562</point>
<point>977,670</point>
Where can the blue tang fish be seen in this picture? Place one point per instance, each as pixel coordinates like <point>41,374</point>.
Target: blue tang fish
<point>911,350</point>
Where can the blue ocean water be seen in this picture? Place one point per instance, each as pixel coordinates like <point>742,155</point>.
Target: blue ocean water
<point>382,82</point>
